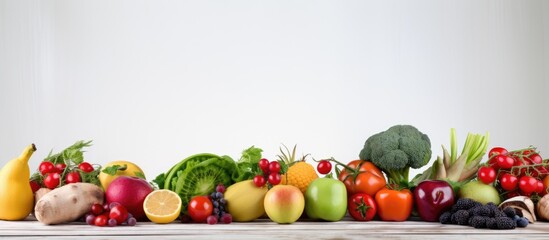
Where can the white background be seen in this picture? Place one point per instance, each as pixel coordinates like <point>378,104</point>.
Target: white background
<point>156,81</point>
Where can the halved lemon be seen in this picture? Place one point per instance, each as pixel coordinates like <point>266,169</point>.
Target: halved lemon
<point>162,206</point>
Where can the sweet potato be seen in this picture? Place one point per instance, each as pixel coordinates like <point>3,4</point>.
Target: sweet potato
<point>68,203</point>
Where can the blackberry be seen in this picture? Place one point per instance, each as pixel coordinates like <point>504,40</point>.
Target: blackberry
<point>464,204</point>
<point>505,223</point>
<point>480,211</point>
<point>461,217</point>
<point>445,218</point>
<point>491,223</point>
<point>510,212</point>
<point>499,213</point>
<point>522,222</point>
<point>478,222</point>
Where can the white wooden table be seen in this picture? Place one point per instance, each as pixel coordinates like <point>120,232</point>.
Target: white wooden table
<point>265,229</point>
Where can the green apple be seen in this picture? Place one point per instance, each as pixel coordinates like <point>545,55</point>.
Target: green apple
<point>284,203</point>
<point>480,192</point>
<point>326,199</point>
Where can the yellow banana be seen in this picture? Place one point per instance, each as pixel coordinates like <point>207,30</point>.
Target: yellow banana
<point>16,198</point>
<point>245,201</point>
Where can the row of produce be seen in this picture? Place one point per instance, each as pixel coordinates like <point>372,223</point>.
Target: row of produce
<point>507,190</point>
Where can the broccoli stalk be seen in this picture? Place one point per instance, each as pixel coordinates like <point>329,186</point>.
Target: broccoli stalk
<point>398,176</point>
<point>396,150</point>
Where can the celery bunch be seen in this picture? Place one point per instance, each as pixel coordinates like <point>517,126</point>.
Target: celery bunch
<point>454,168</point>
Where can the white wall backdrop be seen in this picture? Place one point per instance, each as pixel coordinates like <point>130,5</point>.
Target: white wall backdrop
<point>155,81</point>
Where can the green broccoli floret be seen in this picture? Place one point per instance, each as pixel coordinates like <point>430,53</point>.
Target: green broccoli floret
<point>396,150</point>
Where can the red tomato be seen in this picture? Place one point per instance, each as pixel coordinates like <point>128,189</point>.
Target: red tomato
<point>541,188</point>
<point>545,184</point>
<point>52,180</point>
<point>200,207</point>
<point>535,158</point>
<point>497,151</point>
<point>86,167</point>
<point>324,167</point>
<point>46,167</point>
<point>394,205</point>
<point>118,213</point>
<point>508,182</point>
<point>505,162</point>
<point>519,162</point>
<point>60,167</point>
<point>362,207</point>
<point>528,184</point>
<point>365,178</point>
<point>486,174</point>
<point>72,177</point>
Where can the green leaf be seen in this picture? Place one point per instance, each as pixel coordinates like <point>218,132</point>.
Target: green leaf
<point>159,180</point>
<point>139,175</point>
<point>111,170</point>
<point>283,167</point>
<point>251,155</point>
<point>248,164</point>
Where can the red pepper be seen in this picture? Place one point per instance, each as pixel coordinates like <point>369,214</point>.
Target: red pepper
<point>394,205</point>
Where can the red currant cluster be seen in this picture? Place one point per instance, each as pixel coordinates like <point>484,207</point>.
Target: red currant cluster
<point>271,173</point>
<point>109,215</point>
<point>516,173</point>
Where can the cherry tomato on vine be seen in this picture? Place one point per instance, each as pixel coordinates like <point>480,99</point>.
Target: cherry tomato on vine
<point>504,161</point>
<point>487,174</point>
<point>528,184</point>
<point>497,151</point>
<point>508,182</point>
<point>72,177</point>
<point>541,188</point>
<point>519,163</point>
<point>259,181</point>
<point>365,177</point>
<point>324,167</point>
<point>200,207</point>
<point>86,167</point>
<point>535,158</point>
<point>52,180</point>
<point>60,167</point>
<point>46,167</point>
<point>362,207</point>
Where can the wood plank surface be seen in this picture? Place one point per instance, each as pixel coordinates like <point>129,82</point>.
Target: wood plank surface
<point>265,229</point>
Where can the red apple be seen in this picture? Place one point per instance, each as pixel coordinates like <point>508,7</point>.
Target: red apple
<point>130,192</point>
<point>432,198</point>
<point>284,203</point>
